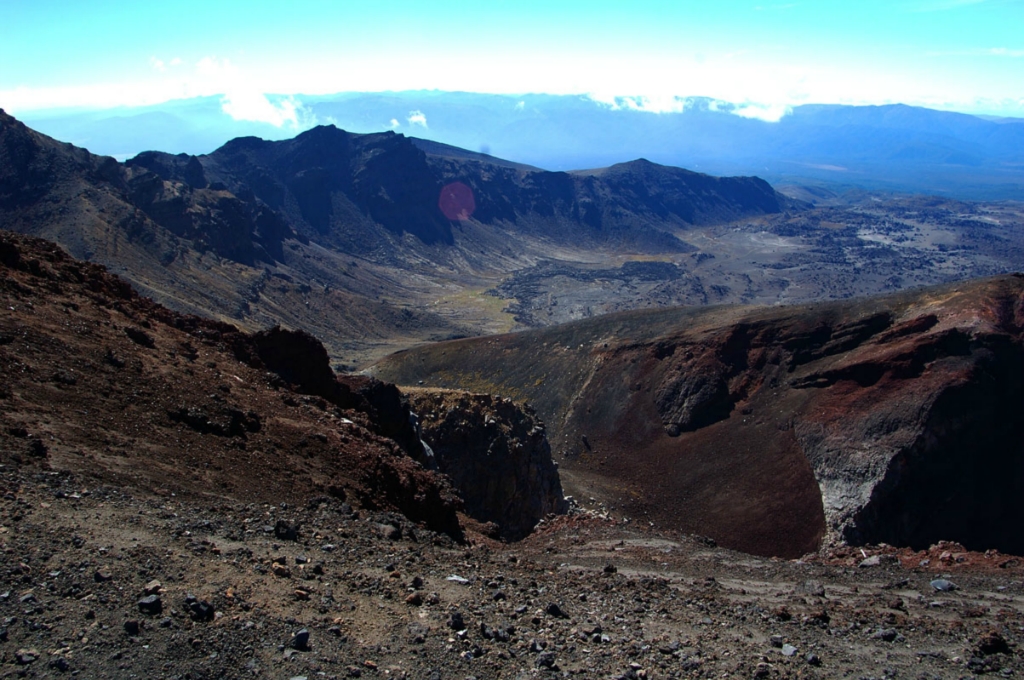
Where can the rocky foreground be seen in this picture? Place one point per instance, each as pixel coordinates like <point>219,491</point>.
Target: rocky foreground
<point>112,583</point>
<point>182,500</point>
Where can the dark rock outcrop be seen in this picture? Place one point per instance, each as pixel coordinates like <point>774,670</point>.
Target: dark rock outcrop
<point>299,358</point>
<point>496,454</point>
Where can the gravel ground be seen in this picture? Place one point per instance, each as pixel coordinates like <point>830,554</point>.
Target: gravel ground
<point>380,597</point>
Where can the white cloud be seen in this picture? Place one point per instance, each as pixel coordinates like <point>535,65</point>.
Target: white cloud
<point>162,66</point>
<point>647,104</point>
<point>243,99</point>
<point>395,124</point>
<point>771,113</point>
<point>250,105</point>
<point>417,118</point>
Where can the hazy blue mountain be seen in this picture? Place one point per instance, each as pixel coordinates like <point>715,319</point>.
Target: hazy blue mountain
<point>894,147</point>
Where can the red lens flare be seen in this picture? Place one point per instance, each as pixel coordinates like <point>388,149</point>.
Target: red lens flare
<point>456,201</point>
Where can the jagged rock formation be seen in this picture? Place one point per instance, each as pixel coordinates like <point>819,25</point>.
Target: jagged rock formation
<point>495,452</point>
<point>879,420</point>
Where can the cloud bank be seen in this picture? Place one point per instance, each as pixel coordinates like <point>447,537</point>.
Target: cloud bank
<point>771,113</point>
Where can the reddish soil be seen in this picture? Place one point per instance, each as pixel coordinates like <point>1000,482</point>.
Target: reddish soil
<point>100,381</point>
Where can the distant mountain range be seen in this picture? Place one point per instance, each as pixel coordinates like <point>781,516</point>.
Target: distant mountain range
<point>892,148</point>
<point>337,232</point>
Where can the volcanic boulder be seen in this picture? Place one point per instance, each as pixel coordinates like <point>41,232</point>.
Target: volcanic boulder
<point>496,454</point>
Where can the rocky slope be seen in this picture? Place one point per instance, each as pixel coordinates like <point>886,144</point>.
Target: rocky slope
<point>96,379</point>
<point>878,420</point>
<point>201,248</point>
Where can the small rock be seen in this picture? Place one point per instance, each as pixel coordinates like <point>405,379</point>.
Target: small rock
<point>943,585</point>
<point>300,640</point>
<point>873,561</point>
<point>610,569</point>
<point>456,622</point>
<point>813,659</point>
<point>776,641</point>
<point>390,532</point>
<point>454,578</point>
<point>281,570</point>
<point>554,610</point>
<point>60,664</point>
<point>285,531</point>
<point>140,337</point>
<point>132,627</point>
<point>102,575</point>
<point>152,588</point>
<point>812,588</point>
<point>789,650</point>
<point>26,656</point>
<point>886,635</point>
<point>993,643</point>
<point>546,660</point>
<point>151,605</point>
<point>415,599</point>
<point>762,670</point>
<point>199,610</point>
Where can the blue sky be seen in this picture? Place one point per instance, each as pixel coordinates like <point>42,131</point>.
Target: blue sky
<point>964,55</point>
